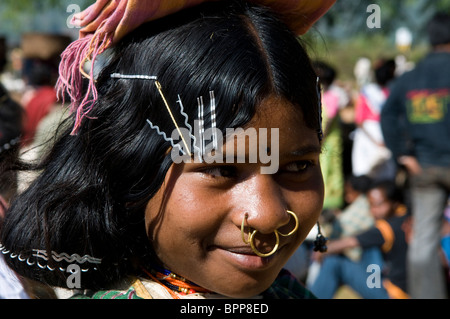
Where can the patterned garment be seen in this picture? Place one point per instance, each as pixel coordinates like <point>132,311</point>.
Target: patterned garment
<point>285,286</point>
<point>353,220</point>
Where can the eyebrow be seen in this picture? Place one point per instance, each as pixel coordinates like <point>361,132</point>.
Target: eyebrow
<point>302,151</point>
<point>308,149</point>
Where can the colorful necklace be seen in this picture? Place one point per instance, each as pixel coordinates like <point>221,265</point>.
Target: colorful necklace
<point>173,283</point>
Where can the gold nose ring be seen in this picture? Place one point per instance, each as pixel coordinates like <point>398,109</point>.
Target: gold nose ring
<point>296,225</point>
<point>251,237</point>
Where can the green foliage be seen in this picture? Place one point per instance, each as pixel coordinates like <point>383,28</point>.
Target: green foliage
<point>348,18</point>
<point>342,36</point>
<point>343,54</point>
<point>14,10</point>
<point>16,6</point>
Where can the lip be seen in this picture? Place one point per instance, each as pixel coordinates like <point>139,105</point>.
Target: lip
<point>244,258</point>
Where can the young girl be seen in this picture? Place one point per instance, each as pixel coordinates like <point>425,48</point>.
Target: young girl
<point>115,202</point>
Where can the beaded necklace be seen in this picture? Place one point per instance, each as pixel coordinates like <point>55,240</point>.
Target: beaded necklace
<point>173,283</point>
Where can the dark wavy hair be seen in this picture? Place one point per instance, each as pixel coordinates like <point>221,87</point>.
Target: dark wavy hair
<point>438,29</point>
<point>91,195</point>
<point>11,129</point>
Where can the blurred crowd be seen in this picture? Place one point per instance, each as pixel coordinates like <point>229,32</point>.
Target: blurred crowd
<point>377,192</point>
<point>386,168</point>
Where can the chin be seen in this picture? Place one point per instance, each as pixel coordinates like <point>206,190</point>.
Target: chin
<point>247,285</point>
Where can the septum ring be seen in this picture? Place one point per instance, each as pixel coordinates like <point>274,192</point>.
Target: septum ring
<point>251,237</point>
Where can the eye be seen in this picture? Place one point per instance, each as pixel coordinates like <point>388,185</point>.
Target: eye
<point>221,171</point>
<point>297,167</point>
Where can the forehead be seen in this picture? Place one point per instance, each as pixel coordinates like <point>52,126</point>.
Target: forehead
<point>276,110</point>
<point>376,194</point>
<point>277,115</point>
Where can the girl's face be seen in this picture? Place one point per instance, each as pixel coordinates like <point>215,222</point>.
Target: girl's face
<point>194,221</point>
<point>380,206</point>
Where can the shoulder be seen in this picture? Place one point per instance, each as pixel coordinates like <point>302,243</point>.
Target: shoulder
<point>286,286</point>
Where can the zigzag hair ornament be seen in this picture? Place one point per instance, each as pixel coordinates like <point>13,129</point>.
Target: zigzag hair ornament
<point>39,253</point>
<point>42,254</point>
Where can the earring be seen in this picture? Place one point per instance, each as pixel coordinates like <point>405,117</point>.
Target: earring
<point>320,242</point>
<point>277,236</point>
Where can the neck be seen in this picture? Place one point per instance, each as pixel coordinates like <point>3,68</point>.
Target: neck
<point>174,283</point>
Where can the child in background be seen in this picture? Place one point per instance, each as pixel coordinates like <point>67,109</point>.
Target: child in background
<point>387,237</point>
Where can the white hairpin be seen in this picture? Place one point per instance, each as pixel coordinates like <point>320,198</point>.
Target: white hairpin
<point>201,127</point>
<point>201,124</point>
<point>213,118</point>
<point>133,76</point>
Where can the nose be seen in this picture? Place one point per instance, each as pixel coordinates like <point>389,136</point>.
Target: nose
<point>263,205</point>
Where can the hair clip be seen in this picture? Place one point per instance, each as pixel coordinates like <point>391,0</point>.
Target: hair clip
<point>197,141</point>
<point>201,127</point>
<point>159,87</point>
<point>133,76</point>
<point>212,99</point>
<point>319,98</point>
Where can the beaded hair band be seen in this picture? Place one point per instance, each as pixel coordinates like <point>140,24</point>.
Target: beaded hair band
<point>42,254</point>
<point>10,144</point>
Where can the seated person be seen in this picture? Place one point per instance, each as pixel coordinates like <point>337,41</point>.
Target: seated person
<point>386,237</point>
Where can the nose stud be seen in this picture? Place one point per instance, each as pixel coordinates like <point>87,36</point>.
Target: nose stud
<point>252,234</point>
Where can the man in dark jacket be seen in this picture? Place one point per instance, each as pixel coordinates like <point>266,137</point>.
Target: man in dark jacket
<point>416,126</point>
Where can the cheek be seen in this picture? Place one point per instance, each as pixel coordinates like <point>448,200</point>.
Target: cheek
<point>308,214</point>
<point>181,225</point>
<point>309,205</point>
